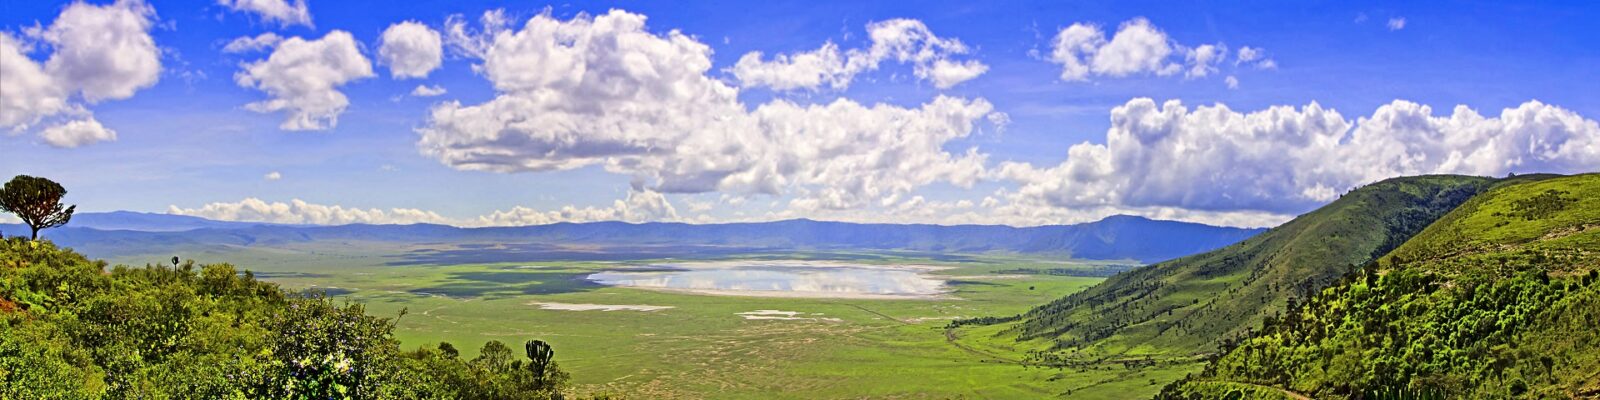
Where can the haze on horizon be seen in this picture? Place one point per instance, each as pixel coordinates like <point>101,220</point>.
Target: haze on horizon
<point>488,113</point>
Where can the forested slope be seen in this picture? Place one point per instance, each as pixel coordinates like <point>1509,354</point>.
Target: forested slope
<point>1189,305</point>
<point>1500,298</point>
<point>72,329</point>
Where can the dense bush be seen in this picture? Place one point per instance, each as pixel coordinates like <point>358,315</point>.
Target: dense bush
<point>70,328</point>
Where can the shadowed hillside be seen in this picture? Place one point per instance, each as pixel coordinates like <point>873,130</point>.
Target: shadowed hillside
<point>1497,299</point>
<point>1191,304</point>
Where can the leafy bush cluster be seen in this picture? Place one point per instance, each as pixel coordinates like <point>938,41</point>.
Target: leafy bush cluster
<point>1542,205</point>
<point>1408,331</point>
<point>72,328</point>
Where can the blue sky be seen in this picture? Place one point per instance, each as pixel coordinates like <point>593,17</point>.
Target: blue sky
<point>995,151</point>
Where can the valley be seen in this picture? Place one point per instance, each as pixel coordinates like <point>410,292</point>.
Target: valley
<point>647,343</point>
<point>710,318</point>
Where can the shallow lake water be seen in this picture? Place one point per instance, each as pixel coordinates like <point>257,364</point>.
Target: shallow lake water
<point>797,278</point>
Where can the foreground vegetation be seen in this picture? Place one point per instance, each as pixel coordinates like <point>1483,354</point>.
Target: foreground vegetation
<point>72,329</point>
<point>1500,298</point>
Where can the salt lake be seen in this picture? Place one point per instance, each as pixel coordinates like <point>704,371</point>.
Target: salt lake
<point>824,279</point>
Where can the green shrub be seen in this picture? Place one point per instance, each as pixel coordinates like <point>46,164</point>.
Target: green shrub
<point>71,329</point>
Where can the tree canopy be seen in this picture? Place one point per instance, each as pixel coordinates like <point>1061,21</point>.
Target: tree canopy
<point>37,201</point>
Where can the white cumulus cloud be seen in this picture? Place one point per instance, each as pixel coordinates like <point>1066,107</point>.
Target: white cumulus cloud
<point>605,91</point>
<point>301,212</point>
<point>467,41</point>
<point>104,52</point>
<point>302,78</point>
<point>98,53</point>
<point>272,176</point>
<point>246,44</point>
<point>30,94</point>
<point>1254,56</point>
<point>639,206</point>
<point>281,11</point>
<point>1286,160</point>
<point>900,40</point>
<point>77,133</point>
<point>410,49</point>
<point>1137,48</point>
<point>1203,60</point>
<point>427,91</point>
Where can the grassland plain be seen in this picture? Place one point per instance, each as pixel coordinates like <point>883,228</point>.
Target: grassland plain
<point>702,347</point>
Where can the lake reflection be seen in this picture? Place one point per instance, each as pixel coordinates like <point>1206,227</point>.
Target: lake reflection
<point>784,279</point>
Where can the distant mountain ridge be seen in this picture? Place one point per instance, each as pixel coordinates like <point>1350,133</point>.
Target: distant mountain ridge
<point>151,222</point>
<point>1116,237</point>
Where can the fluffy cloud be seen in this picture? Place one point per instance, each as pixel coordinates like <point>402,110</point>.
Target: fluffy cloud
<point>605,91</point>
<point>272,176</point>
<point>282,11</point>
<point>845,155</point>
<point>1287,160</point>
<point>30,93</point>
<point>98,53</point>
<point>900,40</point>
<point>427,91</point>
<point>1405,138</point>
<point>464,40</point>
<point>1254,56</point>
<point>104,52</point>
<point>300,212</point>
<point>410,49</point>
<point>639,206</point>
<point>77,133</point>
<point>1203,60</point>
<point>302,77</point>
<point>946,73</point>
<point>1137,48</point>
<point>246,44</point>
<point>1249,54</point>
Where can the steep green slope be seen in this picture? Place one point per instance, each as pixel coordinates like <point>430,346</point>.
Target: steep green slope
<point>1189,305</point>
<point>1497,299</point>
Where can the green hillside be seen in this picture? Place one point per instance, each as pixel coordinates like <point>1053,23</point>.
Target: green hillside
<point>1189,305</point>
<point>70,328</point>
<point>1500,298</point>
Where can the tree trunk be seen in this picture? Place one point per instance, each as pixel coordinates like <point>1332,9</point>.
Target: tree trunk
<point>35,232</point>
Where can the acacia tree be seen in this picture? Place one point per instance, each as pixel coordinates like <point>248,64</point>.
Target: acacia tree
<point>37,201</point>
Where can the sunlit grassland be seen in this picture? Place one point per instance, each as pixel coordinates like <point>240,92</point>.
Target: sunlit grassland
<point>701,347</point>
